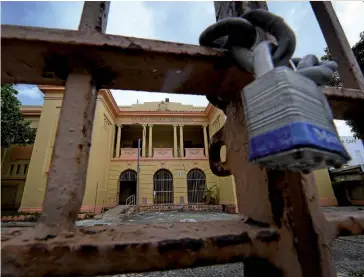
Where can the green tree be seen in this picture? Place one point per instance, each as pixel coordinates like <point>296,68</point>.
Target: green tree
<point>14,129</point>
<point>358,50</point>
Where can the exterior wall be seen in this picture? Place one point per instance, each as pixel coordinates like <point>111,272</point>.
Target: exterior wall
<point>227,189</point>
<point>99,160</point>
<point>355,147</point>
<point>178,167</point>
<point>42,151</point>
<point>104,169</point>
<point>15,164</point>
<point>324,188</point>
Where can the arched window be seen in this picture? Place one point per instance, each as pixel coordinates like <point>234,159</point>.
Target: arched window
<point>128,176</point>
<point>163,187</point>
<point>196,186</point>
<point>127,187</point>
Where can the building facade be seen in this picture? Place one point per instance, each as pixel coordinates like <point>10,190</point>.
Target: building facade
<point>355,148</point>
<point>174,166</point>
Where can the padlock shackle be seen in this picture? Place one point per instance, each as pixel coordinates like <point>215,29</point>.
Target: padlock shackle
<point>263,62</point>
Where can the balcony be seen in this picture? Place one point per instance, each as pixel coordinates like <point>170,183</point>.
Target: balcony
<point>160,142</point>
<point>161,154</point>
<point>128,153</point>
<point>194,153</point>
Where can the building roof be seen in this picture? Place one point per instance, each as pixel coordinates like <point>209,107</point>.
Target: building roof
<point>156,108</point>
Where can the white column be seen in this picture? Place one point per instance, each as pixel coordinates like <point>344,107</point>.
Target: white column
<point>144,139</point>
<point>118,137</point>
<point>205,140</point>
<point>150,153</point>
<point>181,141</point>
<point>175,153</point>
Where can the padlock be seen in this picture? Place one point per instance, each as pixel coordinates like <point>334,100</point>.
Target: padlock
<point>290,123</point>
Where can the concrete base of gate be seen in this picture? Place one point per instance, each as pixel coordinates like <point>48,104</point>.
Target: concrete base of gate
<point>181,208</point>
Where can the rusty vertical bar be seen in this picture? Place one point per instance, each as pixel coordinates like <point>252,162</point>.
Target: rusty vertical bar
<point>286,200</point>
<point>94,17</point>
<point>67,177</point>
<point>349,70</point>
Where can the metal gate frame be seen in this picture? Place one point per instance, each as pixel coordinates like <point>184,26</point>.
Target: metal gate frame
<point>283,232</point>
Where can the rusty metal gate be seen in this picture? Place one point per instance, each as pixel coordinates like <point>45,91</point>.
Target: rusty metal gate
<point>196,186</point>
<point>282,231</point>
<point>163,187</point>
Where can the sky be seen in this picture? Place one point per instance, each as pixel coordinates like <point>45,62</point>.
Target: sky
<point>178,22</point>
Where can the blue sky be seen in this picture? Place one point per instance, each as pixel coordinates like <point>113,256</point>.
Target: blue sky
<point>173,21</point>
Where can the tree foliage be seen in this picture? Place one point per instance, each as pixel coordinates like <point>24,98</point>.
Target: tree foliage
<point>14,129</point>
<point>358,50</point>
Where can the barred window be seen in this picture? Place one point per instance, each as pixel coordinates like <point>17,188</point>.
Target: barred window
<point>163,187</point>
<point>196,186</point>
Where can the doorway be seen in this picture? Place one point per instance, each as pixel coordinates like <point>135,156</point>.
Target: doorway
<point>127,185</point>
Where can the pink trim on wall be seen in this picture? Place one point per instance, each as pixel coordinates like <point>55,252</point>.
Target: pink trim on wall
<point>84,208</point>
<point>160,159</point>
<point>162,153</point>
<point>194,153</point>
<point>31,210</point>
<point>128,154</point>
<point>328,201</point>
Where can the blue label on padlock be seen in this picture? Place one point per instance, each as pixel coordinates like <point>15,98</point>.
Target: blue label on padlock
<point>292,136</point>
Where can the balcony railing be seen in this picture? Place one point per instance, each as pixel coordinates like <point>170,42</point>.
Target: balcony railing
<point>161,153</point>
<point>128,153</point>
<point>195,153</point>
<point>164,153</point>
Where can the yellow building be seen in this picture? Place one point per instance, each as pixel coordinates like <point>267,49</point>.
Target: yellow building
<point>174,167</point>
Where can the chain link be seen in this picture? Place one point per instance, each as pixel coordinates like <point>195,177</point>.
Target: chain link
<point>239,35</point>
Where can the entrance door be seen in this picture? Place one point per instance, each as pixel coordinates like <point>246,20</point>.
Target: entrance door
<point>128,185</point>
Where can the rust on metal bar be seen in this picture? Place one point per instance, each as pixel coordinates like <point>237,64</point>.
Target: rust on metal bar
<point>94,17</point>
<point>67,176</point>
<point>345,103</point>
<point>41,56</point>
<point>136,248</point>
<point>349,70</point>
<point>288,200</point>
<point>345,223</point>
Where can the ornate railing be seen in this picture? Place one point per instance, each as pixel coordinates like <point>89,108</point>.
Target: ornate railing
<point>130,201</point>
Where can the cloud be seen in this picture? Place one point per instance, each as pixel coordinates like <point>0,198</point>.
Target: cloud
<point>180,22</point>
<point>133,19</point>
<point>350,14</point>
<point>29,91</point>
<point>342,128</point>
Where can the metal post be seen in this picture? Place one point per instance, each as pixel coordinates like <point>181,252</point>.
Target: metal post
<point>97,188</point>
<point>138,170</point>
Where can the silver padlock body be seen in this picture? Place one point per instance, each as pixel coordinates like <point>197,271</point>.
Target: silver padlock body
<point>290,124</point>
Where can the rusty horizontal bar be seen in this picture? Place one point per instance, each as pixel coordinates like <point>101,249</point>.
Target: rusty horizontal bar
<point>345,223</point>
<point>344,101</point>
<point>138,248</point>
<point>134,248</point>
<point>43,57</point>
